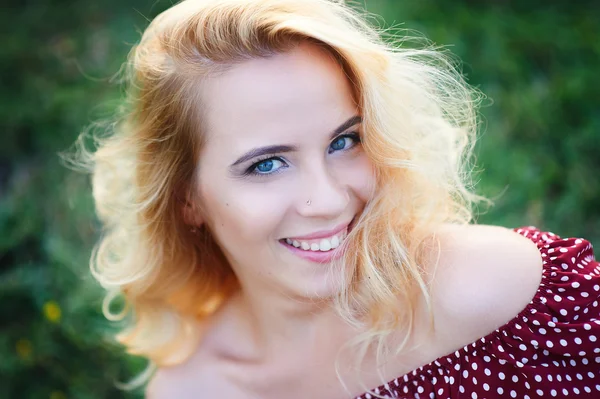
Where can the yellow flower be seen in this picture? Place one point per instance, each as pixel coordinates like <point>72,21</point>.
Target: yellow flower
<point>24,348</point>
<point>57,395</point>
<point>52,311</point>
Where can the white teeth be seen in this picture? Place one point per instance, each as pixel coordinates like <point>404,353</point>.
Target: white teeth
<point>335,242</point>
<point>324,245</point>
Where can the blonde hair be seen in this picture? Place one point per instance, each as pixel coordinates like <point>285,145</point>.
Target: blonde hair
<point>419,119</point>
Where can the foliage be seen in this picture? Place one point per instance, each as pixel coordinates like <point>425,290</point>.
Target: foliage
<point>538,156</point>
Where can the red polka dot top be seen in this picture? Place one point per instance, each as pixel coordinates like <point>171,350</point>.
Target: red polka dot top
<point>550,349</point>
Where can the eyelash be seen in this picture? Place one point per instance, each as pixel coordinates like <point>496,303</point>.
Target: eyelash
<point>251,171</point>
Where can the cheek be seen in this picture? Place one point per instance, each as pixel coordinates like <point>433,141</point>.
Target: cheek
<point>243,213</point>
<point>359,175</point>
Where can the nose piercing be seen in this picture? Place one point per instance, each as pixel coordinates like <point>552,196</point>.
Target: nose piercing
<point>308,202</point>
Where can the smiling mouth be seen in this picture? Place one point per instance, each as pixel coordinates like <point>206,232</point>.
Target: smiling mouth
<point>320,244</point>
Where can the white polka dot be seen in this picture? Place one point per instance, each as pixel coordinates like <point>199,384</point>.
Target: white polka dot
<point>465,373</point>
<point>515,378</point>
<point>501,375</point>
<point>563,312</point>
<point>513,394</point>
<point>593,338</point>
<point>539,392</point>
<point>420,389</point>
<point>461,389</point>
<point>538,378</point>
<point>553,392</point>
<point>487,372</point>
<point>563,342</point>
<point>557,298</point>
<point>523,347</point>
<point>440,391</point>
<point>577,341</point>
<point>549,344</point>
<point>575,284</point>
<point>474,395</point>
<point>486,387</point>
<point>500,391</point>
<point>474,366</point>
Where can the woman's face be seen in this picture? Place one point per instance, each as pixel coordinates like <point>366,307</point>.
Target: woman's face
<point>282,173</point>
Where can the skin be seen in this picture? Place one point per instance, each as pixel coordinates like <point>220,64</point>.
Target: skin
<point>277,337</point>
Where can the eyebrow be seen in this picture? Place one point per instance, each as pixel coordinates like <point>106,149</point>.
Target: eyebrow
<point>278,149</point>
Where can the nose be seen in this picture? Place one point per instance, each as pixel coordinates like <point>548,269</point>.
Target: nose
<point>322,194</point>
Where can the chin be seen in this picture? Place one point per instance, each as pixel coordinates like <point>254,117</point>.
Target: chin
<point>322,285</point>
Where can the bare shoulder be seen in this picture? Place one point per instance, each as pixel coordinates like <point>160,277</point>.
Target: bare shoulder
<point>203,375</point>
<point>183,382</point>
<point>484,277</point>
<point>207,373</point>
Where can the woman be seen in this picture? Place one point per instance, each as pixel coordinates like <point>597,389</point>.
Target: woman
<point>287,211</point>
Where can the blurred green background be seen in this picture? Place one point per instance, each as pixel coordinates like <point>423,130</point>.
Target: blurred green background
<point>538,63</point>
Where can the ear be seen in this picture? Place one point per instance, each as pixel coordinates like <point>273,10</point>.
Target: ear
<point>190,211</point>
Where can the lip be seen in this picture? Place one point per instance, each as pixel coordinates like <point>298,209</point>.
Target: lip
<point>322,233</point>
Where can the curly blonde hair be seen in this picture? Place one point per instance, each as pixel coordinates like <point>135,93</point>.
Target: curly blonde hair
<point>419,119</point>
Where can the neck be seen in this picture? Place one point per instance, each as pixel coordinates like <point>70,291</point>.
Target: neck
<point>278,322</point>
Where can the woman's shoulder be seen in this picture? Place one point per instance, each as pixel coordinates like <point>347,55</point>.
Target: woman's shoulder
<point>485,275</point>
<point>207,372</point>
<point>196,378</point>
<point>538,340</point>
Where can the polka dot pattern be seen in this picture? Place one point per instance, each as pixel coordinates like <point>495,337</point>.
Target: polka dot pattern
<point>550,349</point>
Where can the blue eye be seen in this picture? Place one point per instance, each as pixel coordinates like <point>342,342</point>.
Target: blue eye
<point>344,142</point>
<point>267,166</point>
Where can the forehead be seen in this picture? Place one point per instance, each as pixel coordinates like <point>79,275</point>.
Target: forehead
<point>299,91</point>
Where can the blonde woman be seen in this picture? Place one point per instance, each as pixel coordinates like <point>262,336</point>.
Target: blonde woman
<point>287,212</point>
